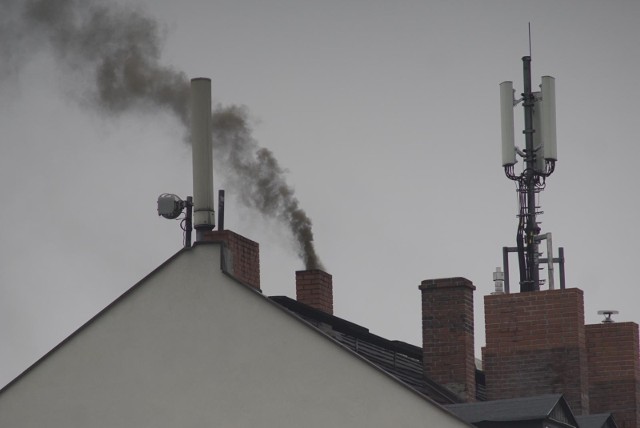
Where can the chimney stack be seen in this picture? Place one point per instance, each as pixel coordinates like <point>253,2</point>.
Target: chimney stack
<point>447,334</point>
<point>536,345</point>
<point>315,288</point>
<point>240,256</point>
<point>614,371</point>
<point>203,213</point>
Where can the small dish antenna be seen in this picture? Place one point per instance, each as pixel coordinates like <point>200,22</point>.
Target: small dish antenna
<point>170,206</point>
<point>607,315</point>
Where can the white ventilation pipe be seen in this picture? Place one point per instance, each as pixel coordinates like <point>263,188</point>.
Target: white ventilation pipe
<point>203,213</point>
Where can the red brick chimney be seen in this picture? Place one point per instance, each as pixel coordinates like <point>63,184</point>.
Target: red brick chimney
<point>315,288</point>
<point>536,345</point>
<point>241,256</point>
<point>447,334</point>
<point>614,371</point>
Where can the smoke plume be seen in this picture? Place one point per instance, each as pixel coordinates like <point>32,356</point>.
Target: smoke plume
<point>256,172</point>
<point>117,51</point>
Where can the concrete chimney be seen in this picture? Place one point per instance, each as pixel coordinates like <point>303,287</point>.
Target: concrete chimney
<point>315,288</point>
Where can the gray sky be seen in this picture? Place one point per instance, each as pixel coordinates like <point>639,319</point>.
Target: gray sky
<point>385,115</point>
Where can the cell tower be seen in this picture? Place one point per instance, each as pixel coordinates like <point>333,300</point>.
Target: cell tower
<point>539,159</point>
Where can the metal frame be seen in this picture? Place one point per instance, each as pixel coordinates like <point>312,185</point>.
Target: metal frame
<point>559,260</point>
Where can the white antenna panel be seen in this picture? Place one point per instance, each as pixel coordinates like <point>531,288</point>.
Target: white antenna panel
<point>506,119</point>
<point>548,118</point>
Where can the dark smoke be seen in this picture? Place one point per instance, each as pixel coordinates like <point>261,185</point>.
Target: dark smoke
<point>118,50</point>
<point>257,174</point>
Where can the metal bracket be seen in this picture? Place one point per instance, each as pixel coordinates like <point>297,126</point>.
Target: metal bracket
<point>559,260</point>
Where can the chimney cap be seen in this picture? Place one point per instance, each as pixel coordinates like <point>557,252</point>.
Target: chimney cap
<point>446,283</point>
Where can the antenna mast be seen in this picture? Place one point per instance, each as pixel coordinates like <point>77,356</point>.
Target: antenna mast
<point>539,156</point>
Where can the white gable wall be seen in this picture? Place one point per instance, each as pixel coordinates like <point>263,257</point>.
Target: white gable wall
<point>190,347</point>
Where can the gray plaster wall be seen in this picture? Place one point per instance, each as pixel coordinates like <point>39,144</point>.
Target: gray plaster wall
<point>190,347</point>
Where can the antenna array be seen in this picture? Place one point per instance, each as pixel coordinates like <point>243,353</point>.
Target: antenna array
<point>539,156</point>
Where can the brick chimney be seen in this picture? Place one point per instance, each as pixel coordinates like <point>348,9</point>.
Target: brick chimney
<point>241,256</point>
<point>447,334</point>
<point>536,345</point>
<point>315,288</point>
<point>614,371</point>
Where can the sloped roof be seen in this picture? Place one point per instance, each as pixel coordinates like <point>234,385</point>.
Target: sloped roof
<point>188,344</point>
<point>600,420</point>
<point>549,406</point>
<point>400,359</point>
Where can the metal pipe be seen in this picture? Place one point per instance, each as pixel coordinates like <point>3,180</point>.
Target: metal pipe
<point>188,222</point>
<point>505,267</point>
<point>531,283</point>
<point>203,213</point>
<point>561,257</point>
<point>221,209</point>
<point>550,261</point>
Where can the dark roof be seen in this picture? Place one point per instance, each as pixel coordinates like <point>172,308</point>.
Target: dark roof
<point>400,359</point>
<point>600,420</point>
<point>550,406</point>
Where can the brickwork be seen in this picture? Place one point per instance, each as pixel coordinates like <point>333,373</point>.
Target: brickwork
<point>315,288</point>
<point>242,256</point>
<point>447,334</point>
<point>536,345</point>
<point>614,371</point>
